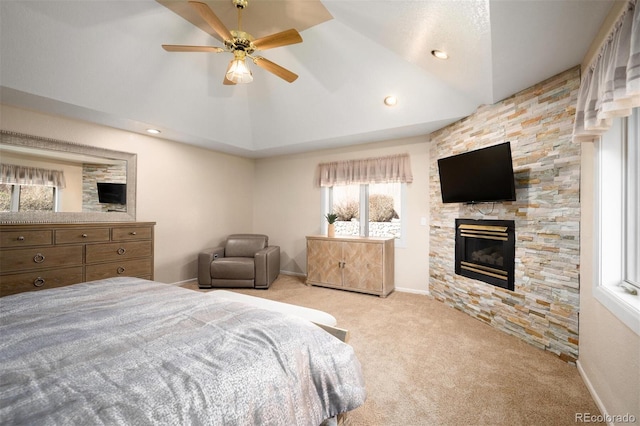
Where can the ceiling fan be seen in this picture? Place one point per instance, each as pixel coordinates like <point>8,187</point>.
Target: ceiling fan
<point>242,45</point>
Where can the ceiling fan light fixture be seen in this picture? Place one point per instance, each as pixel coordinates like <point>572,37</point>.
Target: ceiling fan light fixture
<point>241,44</point>
<point>238,72</point>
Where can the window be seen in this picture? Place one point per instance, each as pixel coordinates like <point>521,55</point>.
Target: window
<point>367,195</point>
<point>382,217</point>
<point>27,198</point>
<point>29,189</point>
<point>618,219</point>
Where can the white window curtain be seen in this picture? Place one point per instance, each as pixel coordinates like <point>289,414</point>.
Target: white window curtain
<point>611,86</point>
<point>393,168</point>
<point>21,175</point>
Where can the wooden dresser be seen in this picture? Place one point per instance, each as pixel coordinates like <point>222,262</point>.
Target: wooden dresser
<point>358,264</point>
<point>39,256</point>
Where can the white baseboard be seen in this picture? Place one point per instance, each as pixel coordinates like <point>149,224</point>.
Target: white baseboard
<point>295,274</point>
<point>413,291</point>
<point>592,391</point>
<point>300,274</point>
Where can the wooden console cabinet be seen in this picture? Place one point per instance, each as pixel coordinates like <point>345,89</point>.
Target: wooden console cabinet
<point>39,256</point>
<point>358,264</point>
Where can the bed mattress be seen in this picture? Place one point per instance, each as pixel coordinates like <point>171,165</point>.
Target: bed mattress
<point>131,351</point>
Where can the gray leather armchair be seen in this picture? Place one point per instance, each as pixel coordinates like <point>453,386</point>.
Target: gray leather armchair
<point>245,260</point>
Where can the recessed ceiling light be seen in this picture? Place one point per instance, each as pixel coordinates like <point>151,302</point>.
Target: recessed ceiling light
<point>154,131</point>
<point>440,54</point>
<point>390,100</point>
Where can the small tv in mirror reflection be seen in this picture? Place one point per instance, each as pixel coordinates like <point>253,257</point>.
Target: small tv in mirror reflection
<point>112,193</point>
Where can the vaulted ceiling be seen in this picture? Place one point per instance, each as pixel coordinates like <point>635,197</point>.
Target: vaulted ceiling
<point>102,62</point>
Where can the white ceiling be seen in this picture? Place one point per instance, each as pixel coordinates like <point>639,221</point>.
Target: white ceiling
<point>101,61</point>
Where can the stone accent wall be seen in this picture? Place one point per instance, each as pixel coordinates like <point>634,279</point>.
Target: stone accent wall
<point>543,309</point>
<point>94,173</point>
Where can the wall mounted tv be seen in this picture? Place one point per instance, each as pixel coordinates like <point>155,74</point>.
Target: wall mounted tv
<point>480,176</point>
<point>112,193</point>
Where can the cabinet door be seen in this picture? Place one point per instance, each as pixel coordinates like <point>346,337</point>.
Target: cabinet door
<point>363,266</point>
<point>323,262</point>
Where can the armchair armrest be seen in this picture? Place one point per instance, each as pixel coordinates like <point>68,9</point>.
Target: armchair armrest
<point>267,262</point>
<point>205,258</point>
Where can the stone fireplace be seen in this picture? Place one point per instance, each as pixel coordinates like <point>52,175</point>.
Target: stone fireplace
<point>485,251</point>
<point>542,308</point>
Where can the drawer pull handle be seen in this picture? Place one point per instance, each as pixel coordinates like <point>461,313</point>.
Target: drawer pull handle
<point>20,238</point>
<point>120,270</point>
<point>38,258</point>
<point>38,282</point>
<point>122,250</point>
<point>84,235</point>
<point>133,233</point>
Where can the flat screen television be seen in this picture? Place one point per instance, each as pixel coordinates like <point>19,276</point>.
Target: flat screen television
<point>480,176</point>
<point>112,193</point>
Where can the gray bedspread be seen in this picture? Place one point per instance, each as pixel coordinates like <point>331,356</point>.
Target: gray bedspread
<point>135,352</point>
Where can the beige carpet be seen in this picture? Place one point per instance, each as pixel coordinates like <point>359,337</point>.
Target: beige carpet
<point>425,363</point>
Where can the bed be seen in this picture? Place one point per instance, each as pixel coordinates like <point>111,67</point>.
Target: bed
<point>132,351</point>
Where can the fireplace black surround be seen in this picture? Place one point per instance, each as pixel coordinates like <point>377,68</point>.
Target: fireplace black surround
<point>485,251</point>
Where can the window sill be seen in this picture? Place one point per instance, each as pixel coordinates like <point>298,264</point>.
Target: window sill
<point>625,306</point>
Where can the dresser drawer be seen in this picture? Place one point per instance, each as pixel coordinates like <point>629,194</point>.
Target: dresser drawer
<point>117,251</point>
<point>25,238</point>
<point>126,268</point>
<point>131,233</point>
<point>81,235</point>
<point>40,258</point>
<point>39,280</point>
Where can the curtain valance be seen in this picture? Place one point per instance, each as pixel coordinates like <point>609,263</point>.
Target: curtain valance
<point>21,175</point>
<point>611,86</point>
<point>393,168</point>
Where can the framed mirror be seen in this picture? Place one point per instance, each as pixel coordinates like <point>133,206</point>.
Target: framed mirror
<point>49,181</point>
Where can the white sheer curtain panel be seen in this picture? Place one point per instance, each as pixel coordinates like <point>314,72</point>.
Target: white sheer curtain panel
<point>393,168</point>
<point>21,175</point>
<point>611,86</point>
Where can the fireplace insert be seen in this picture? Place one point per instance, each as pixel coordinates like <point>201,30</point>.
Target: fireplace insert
<point>485,251</point>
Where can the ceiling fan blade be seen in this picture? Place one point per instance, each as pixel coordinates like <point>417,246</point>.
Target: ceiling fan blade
<point>180,48</point>
<point>207,14</point>
<point>276,69</point>
<point>283,38</point>
<point>227,82</point>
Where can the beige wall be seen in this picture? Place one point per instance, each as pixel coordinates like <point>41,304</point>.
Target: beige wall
<point>288,202</point>
<point>609,350</point>
<point>195,196</point>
